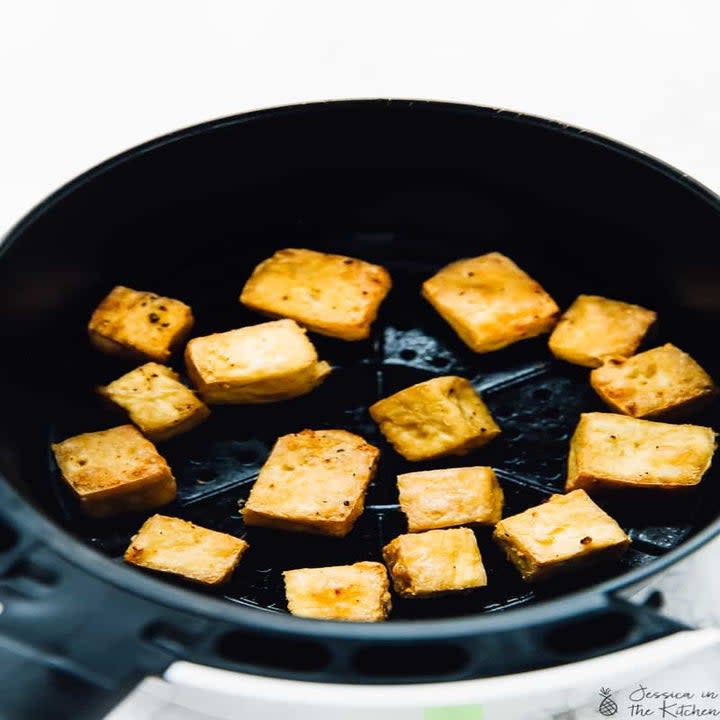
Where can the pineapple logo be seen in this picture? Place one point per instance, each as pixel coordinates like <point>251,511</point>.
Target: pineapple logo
<point>608,706</point>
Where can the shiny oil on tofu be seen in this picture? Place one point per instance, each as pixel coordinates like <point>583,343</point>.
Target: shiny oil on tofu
<point>434,562</point>
<point>358,592</point>
<point>314,481</point>
<point>658,382</point>
<point>566,531</point>
<point>595,327</point>
<point>170,545</point>
<point>257,364</point>
<point>328,294</point>
<point>156,401</point>
<point>609,450</point>
<point>115,471</point>
<point>140,324</point>
<point>434,499</point>
<point>442,416</point>
<point>490,302</point>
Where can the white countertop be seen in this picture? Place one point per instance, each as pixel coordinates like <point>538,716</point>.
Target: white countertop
<point>82,80</point>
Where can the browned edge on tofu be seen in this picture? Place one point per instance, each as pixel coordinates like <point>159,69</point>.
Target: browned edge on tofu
<point>182,548</point>
<point>559,535</point>
<point>140,324</point>
<point>313,481</point>
<point>357,592</point>
<point>663,382</point>
<point>332,295</point>
<point>490,302</point>
<point>115,471</point>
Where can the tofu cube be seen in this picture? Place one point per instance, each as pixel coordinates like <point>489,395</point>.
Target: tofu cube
<point>314,481</point>
<point>139,324</point>
<point>256,364</point>
<point>332,295</point>
<point>442,416</point>
<point>156,401</point>
<point>658,382</point>
<point>595,327</point>
<point>358,592</point>
<point>434,562</point>
<point>170,545</point>
<point>115,471</point>
<point>490,302</point>
<point>434,499</point>
<point>608,451</point>
<point>559,535</point>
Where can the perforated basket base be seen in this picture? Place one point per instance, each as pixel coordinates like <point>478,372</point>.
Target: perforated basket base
<point>535,399</point>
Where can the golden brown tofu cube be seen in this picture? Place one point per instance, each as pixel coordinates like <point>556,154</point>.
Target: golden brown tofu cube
<point>170,545</point>
<point>139,324</point>
<point>434,499</point>
<point>314,481</point>
<point>115,471</point>
<point>256,364</point>
<point>434,562</point>
<point>566,531</point>
<point>609,450</point>
<point>490,302</point>
<point>595,327</point>
<point>658,382</point>
<point>442,416</point>
<point>156,401</point>
<point>328,294</point>
<point>356,592</point>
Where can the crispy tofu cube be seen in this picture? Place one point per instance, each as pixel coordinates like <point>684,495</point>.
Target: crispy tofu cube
<point>594,327</point>
<point>329,294</point>
<point>156,401</point>
<point>170,545</point>
<point>490,302</point>
<point>115,471</point>
<point>255,364</point>
<point>442,416</point>
<point>314,481</point>
<point>661,381</point>
<point>356,592</point>
<point>434,499</point>
<point>609,450</point>
<point>566,531</point>
<point>434,562</point>
<point>139,324</point>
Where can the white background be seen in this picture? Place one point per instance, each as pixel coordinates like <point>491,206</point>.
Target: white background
<point>81,81</point>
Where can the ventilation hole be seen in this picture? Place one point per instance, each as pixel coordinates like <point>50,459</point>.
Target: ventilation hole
<point>8,538</point>
<point>408,354</point>
<point>206,475</point>
<point>541,394</point>
<point>36,573</point>
<point>246,457</point>
<point>551,412</point>
<point>592,633</point>
<point>166,636</point>
<point>504,411</point>
<point>276,653</point>
<point>439,362</point>
<point>410,660</point>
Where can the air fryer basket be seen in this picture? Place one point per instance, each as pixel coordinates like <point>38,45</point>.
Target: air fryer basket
<point>411,186</point>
